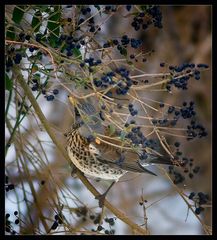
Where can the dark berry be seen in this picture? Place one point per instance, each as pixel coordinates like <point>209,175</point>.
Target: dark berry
<point>199,210</point>
<point>28,37</point>
<point>202,65</point>
<point>17,221</point>
<point>42,182</point>
<point>82,65</point>
<point>50,97</point>
<point>55,91</point>
<point>90,138</point>
<point>55,225</point>
<point>11,186</point>
<point>99,228</point>
<point>16,213</point>
<point>177,144</point>
<point>191,175</point>
<point>128,7</point>
<point>22,36</point>
<point>196,169</point>
<point>161,105</point>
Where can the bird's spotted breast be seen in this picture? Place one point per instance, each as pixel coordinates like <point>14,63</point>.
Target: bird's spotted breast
<point>84,157</point>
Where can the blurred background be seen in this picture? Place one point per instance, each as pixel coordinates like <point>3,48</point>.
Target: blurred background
<point>186,36</point>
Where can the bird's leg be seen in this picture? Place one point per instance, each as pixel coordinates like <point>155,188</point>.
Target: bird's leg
<point>101,197</point>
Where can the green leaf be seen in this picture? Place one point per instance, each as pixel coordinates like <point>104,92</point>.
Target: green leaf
<point>77,53</point>
<point>143,7</point>
<point>36,21</point>
<point>53,25</point>
<point>37,76</point>
<point>63,47</point>
<point>111,129</point>
<point>18,13</point>
<point>129,62</point>
<point>43,8</point>
<point>123,52</point>
<point>10,35</point>
<point>122,136</point>
<point>8,83</point>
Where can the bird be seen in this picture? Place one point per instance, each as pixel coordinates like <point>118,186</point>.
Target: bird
<point>106,157</point>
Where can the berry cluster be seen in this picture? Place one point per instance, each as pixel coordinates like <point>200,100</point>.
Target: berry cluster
<point>152,15</point>
<point>134,43</point>
<point>178,177</point>
<point>181,74</point>
<point>95,218</point>
<point>58,220</point>
<point>91,62</point>
<point>37,86</point>
<point>132,111</point>
<point>199,199</point>
<point>187,111</point>
<point>136,136</point>
<point>122,85</point>
<point>105,80</point>
<point>86,11</point>
<point>187,165</point>
<point>22,37</point>
<point>122,45</point>
<point>13,57</point>
<point>111,223</point>
<point>194,130</point>
<point>125,83</point>
<point>138,139</point>
<point>8,227</point>
<point>109,8</point>
<point>8,223</point>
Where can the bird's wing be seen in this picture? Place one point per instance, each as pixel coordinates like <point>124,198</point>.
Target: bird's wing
<point>117,158</point>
